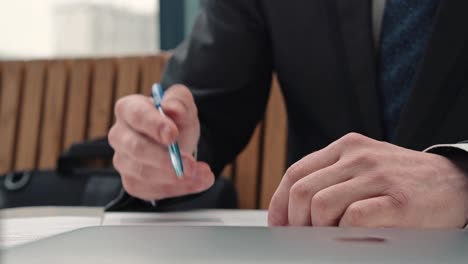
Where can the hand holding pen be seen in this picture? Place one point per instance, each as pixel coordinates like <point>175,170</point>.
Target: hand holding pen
<point>173,148</point>
<point>143,138</point>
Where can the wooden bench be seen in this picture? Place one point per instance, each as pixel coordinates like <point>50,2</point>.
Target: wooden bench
<point>47,105</point>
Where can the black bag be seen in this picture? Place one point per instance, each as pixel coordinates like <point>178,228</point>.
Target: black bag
<point>77,182</point>
<point>74,183</point>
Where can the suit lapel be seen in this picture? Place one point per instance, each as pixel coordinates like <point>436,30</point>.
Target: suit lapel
<point>355,19</point>
<point>430,99</point>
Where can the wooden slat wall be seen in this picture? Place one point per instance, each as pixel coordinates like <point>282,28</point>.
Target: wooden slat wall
<point>12,76</point>
<point>1,76</point>
<point>274,145</point>
<point>53,114</point>
<point>247,169</point>
<point>127,77</point>
<point>72,100</point>
<point>27,147</point>
<point>102,101</point>
<point>151,73</point>
<point>77,102</point>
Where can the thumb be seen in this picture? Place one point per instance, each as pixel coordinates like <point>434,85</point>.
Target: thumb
<point>179,105</point>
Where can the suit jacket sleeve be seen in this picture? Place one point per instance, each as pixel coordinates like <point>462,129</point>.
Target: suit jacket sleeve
<point>227,65</point>
<point>449,149</point>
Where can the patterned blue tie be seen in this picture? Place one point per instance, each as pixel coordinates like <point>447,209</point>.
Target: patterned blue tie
<point>406,28</point>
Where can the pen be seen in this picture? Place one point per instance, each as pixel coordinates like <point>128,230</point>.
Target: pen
<point>174,152</point>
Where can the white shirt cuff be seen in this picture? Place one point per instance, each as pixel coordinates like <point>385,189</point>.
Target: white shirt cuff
<point>448,148</point>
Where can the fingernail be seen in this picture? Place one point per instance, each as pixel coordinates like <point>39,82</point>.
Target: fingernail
<point>166,135</point>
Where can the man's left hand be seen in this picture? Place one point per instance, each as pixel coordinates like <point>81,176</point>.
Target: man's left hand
<point>357,181</point>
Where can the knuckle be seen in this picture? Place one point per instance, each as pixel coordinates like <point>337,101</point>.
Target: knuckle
<point>399,198</point>
<point>187,111</point>
<point>119,107</point>
<point>181,107</point>
<point>112,136</point>
<point>352,139</point>
<point>136,116</point>
<point>293,172</point>
<point>135,113</point>
<point>299,192</point>
<point>117,161</point>
<point>356,214</point>
<point>362,158</point>
<point>320,204</point>
<point>185,92</point>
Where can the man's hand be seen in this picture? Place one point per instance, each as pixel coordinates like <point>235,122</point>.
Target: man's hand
<point>140,138</point>
<point>357,181</point>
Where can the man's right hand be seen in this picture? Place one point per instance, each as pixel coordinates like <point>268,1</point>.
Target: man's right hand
<point>140,138</point>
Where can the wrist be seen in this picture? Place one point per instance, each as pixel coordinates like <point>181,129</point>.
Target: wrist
<point>461,165</point>
<point>457,158</point>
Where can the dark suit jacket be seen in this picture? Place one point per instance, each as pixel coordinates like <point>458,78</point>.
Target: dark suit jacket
<point>325,59</point>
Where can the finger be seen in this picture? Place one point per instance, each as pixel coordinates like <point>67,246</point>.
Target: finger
<point>202,180</point>
<point>123,139</point>
<point>156,190</point>
<point>375,212</point>
<point>144,150</point>
<point>179,105</point>
<point>329,205</point>
<point>278,209</point>
<point>134,187</point>
<point>145,191</point>
<point>127,165</point>
<point>303,191</point>
<point>141,115</point>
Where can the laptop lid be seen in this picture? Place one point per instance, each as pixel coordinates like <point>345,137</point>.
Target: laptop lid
<point>146,244</point>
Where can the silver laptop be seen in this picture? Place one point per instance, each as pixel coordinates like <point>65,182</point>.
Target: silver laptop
<point>145,244</point>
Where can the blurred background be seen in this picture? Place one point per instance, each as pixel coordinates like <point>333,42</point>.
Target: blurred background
<point>64,64</point>
<point>33,29</point>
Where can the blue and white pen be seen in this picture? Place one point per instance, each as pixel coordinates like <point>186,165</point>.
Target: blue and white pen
<point>174,152</point>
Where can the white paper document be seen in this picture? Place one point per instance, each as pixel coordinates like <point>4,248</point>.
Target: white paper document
<point>17,231</point>
<point>22,225</point>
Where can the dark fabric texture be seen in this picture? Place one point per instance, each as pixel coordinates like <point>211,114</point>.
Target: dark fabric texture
<point>324,57</point>
<point>405,32</point>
